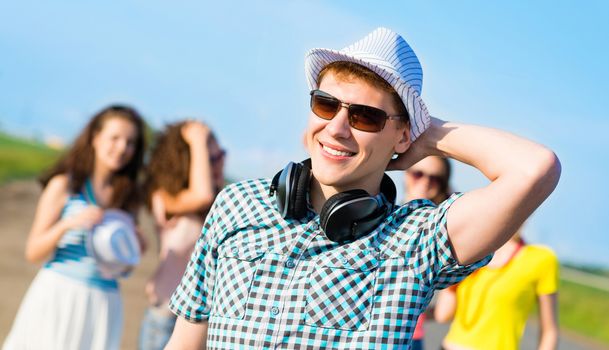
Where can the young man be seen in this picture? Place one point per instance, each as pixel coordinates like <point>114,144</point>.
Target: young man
<point>272,272</point>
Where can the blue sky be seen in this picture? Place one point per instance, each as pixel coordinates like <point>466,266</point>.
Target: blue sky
<point>538,69</point>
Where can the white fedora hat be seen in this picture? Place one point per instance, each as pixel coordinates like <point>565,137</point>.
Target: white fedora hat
<point>114,244</point>
<point>387,54</point>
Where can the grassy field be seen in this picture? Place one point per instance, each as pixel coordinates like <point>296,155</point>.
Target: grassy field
<point>20,158</point>
<point>584,310</point>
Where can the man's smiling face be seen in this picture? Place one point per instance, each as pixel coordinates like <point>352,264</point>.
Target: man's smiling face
<point>345,158</point>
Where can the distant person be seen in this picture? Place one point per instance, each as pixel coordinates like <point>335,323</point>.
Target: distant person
<point>321,256</point>
<point>72,302</point>
<point>427,179</point>
<point>184,175</point>
<point>490,308</point>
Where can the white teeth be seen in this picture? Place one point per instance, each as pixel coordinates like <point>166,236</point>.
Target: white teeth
<point>337,152</point>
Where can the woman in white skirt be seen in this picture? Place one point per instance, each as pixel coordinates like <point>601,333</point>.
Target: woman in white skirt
<point>72,303</point>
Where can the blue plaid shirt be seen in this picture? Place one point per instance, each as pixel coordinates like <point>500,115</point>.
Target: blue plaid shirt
<point>265,282</point>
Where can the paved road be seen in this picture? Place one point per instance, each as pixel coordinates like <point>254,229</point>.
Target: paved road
<point>587,279</point>
<point>434,333</point>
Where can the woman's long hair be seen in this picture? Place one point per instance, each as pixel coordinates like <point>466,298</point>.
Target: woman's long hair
<point>169,164</point>
<point>79,160</point>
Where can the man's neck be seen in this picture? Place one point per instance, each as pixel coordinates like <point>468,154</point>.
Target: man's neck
<point>318,195</point>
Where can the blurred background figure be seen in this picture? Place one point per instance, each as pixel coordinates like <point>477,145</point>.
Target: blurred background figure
<point>427,179</point>
<point>183,177</point>
<point>71,304</point>
<point>491,306</point>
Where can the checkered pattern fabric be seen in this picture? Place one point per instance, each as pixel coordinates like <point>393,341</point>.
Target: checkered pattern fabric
<point>265,282</point>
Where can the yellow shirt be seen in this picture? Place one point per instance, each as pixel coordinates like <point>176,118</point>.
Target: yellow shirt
<point>493,303</point>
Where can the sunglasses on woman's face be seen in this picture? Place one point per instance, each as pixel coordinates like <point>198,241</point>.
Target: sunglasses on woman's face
<point>434,180</point>
<point>361,117</point>
<point>217,157</point>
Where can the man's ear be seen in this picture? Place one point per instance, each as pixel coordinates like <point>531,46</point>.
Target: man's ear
<point>404,141</point>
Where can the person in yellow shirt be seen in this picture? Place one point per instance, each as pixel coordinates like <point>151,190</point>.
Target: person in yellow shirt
<point>491,306</point>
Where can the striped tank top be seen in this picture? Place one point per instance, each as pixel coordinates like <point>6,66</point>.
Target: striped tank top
<point>72,258</point>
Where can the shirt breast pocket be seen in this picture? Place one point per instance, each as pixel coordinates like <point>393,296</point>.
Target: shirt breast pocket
<point>236,267</point>
<point>340,290</point>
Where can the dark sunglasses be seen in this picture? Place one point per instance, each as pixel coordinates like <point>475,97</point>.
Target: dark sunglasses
<point>434,180</point>
<point>217,157</point>
<point>361,117</point>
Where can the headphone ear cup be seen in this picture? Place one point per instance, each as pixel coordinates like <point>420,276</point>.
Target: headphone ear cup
<point>328,219</point>
<point>299,205</point>
<point>388,189</point>
<point>290,194</point>
<point>282,187</point>
<point>290,187</point>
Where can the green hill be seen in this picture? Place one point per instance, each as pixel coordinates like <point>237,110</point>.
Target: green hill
<point>584,310</point>
<point>583,300</point>
<point>21,158</point>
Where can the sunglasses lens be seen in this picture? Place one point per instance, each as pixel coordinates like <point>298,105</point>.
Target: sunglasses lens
<point>417,174</point>
<point>435,180</point>
<point>323,106</point>
<point>217,157</point>
<point>361,117</point>
<point>366,118</point>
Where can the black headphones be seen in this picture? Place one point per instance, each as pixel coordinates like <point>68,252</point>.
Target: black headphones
<point>346,216</point>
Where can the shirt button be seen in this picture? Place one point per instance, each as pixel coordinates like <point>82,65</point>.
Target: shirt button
<point>235,250</point>
<point>344,261</point>
<point>274,310</point>
<point>290,264</point>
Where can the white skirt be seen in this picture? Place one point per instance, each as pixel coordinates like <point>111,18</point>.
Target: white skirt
<point>58,312</point>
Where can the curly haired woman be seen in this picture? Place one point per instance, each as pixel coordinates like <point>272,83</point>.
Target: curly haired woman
<point>184,175</point>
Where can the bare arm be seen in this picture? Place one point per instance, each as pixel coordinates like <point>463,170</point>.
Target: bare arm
<point>200,192</point>
<point>446,305</point>
<point>548,320</point>
<point>522,175</point>
<point>47,227</point>
<point>188,336</point>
